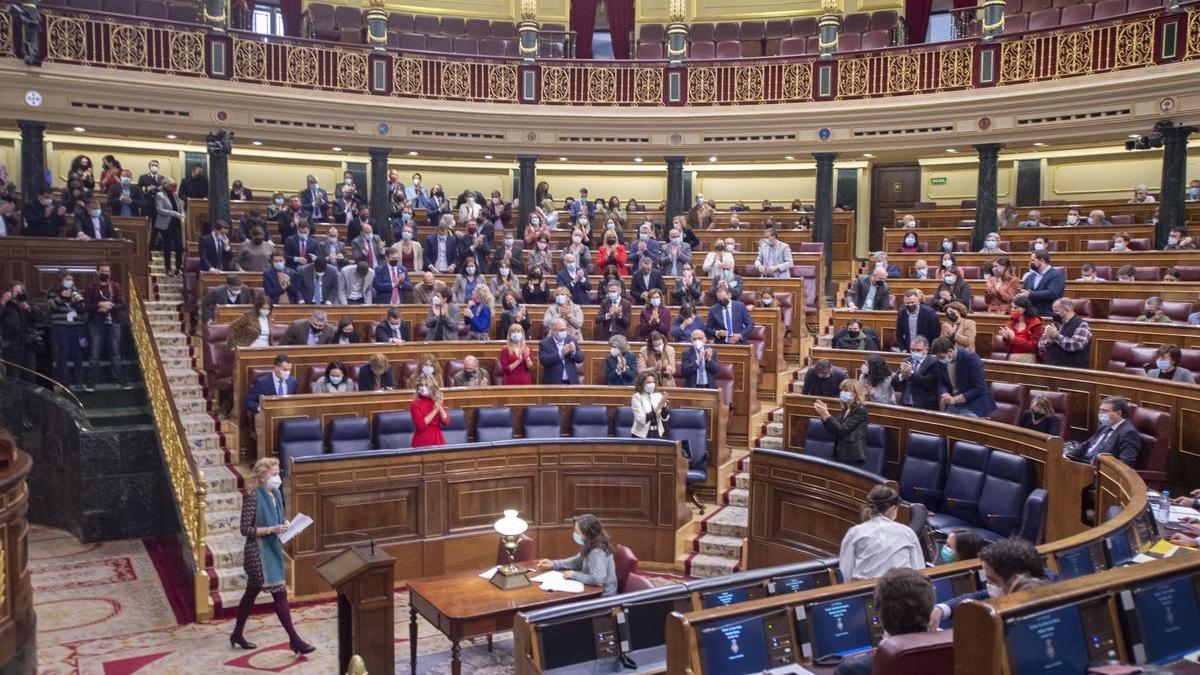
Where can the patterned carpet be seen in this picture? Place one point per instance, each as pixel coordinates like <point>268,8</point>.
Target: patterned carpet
<point>102,610</point>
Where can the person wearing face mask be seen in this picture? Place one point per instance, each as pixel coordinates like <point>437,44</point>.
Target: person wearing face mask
<point>1040,417</point>
<point>620,366</point>
<point>347,332</point>
<point>612,252</point>
<point>513,312</point>
<point>911,243</point>
<point>496,211</point>
<point>195,185</point>
<point>442,320</point>
<point>1116,436</point>
<point>1072,218</point>
<point>125,198</point>
<point>688,289</point>
<point>1003,562</point>
<point>314,200</point>
<point>878,543</point>
<point>961,544</point>
<point>1178,240</point>
<point>964,389</point>
<point>314,330</point>
<point>428,410</point>
<point>43,217</point>
<point>594,564</point>
<point>356,284</point>
<point>471,376</point>
<point>953,288</point>
<point>394,330</point>
<point>657,357</point>
<point>392,285</point>
<point>505,280</point>
<point>729,322</point>
<point>904,599</point>
<point>252,329</point>
<point>958,327</point>
<point>920,270</point>
<point>509,254</point>
<point>991,244</point>
<point>1001,286</point>
<point>278,382</point>
<point>1043,284</point>
<point>541,258</point>
<point>300,249</point>
<point>168,220</point>
<point>280,280</point>
<point>651,408</point>
<point>535,228</point>
<point>317,284</point>
<point>583,206</point>
<point>1022,333</point>
<point>516,361</point>
<point>875,378</point>
<point>335,381</point>
<point>1120,242</point>
<point>560,355</point>
<point>854,336</point>
<point>675,254</point>
<point>255,255</point>
<point>915,318</point>
<point>701,215</point>
<point>216,253</point>
<point>573,279</point>
<point>919,378</point>
<point>232,293</point>
<point>240,193</point>
<point>655,316</point>
<point>1087,273</point>
<point>151,181</point>
<point>67,313</point>
<point>20,339</point>
<point>466,281</point>
<point>1153,311</point>
<point>564,308</point>
<point>106,321</point>
<point>1166,366</point>
<point>645,248</point>
<point>870,291</point>
<point>948,245</point>
<point>442,252</point>
<point>93,223</point>
<point>477,312</point>
<point>700,363</point>
<point>535,290</point>
<point>1068,341</point>
<point>849,429</point>
<point>1033,219</point>
<point>614,315</point>
<point>774,258</point>
<point>263,520</point>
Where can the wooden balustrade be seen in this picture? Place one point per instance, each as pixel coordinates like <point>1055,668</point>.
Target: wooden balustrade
<point>1019,238</point>
<point>40,262</point>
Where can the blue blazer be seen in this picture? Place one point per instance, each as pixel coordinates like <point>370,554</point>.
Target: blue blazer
<point>1044,294</point>
<point>265,386</point>
<point>969,379</point>
<point>429,250</point>
<point>928,325</point>
<point>211,256</point>
<point>553,363</point>
<point>383,285</point>
<point>383,331</point>
<point>742,323</point>
<point>316,210</point>
<point>273,290</point>
<point>366,379</point>
<point>291,250</point>
<point>579,289</point>
<point>690,367</point>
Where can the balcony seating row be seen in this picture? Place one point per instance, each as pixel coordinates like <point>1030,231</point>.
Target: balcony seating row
<point>164,10</point>
<point>1044,15</point>
<point>777,37</point>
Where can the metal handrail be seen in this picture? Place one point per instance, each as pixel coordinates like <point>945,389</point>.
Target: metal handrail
<point>65,389</point>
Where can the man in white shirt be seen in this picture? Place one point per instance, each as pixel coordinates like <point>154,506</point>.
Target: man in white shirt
<point>873,547</point>
<point>774,257</point>
<point>357,283</point>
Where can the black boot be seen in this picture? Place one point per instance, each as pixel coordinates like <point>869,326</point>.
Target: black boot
<point>285,618</point>
<point>236,639</point>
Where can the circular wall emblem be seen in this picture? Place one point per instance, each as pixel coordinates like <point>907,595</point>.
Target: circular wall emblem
<point>1168,104</point>
<point>531,137</point>
<point>222,115</point>
<point>33,99</point>
<point>984,123</point>
<point>824,133</point>
<point>675,138</point>
<point>383,128</point>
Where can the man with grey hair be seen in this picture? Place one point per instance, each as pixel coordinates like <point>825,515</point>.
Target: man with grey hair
<point>560,355</point>
<point>869,291</point>
<point>675,254</point>
<point>881,262</point>
<point>1141,195</point>
<point>1153,311</point>
<point>311,331</point>
<point>314,200</point>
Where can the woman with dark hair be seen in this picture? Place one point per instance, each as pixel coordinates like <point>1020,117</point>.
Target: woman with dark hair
<point>347,332</point>
<point>615,211</point>
<point>512,313</point>
<point>541,192</point>
<point>252,329</point>
<point>911,243</point>
<point>958,327</point>
<point>594,564</point>
<point>961,545</point>
<point>1022,332</point>
<point>467,280</point>
<point>111,174</point>
<point>849,428</point>
<point>953,287</point>
<point>876,379</point>
<point>81,170</point>
<point>657,357</point>
<point>879,543</point>
<point>335,381</point>
<point>651,409</point>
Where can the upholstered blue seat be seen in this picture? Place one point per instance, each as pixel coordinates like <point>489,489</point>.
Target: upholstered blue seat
<point>542,421</point>
<point>300,437</point>
<point>349,434</point>
<point>393,430</point>
<point>493,424</point>
<point>1033,517</point>
<point>690,426</point>
<point>818,442</point>
<point>589,421</point>
<point>964,482</point>
<point>921,476</point>
<point>876,449</point>
<point>623,424</point>
<point>1009,480</point>
<point>455,431</point>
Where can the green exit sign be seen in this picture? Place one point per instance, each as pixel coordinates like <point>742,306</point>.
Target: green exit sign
<point>937,180</point>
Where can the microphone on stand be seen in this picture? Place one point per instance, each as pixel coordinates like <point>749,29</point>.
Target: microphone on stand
<point>369,538</point>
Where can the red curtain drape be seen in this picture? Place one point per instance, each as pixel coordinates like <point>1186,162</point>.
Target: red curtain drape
<point>291,17</point>
<point>916,16</point>
<point>620,22</point>
<point>960,4</point>
<point>583,22</point>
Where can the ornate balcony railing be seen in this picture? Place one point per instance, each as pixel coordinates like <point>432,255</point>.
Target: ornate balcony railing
<point>130,43</point>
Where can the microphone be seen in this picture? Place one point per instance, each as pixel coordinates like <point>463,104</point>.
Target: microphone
<point>369,538</point>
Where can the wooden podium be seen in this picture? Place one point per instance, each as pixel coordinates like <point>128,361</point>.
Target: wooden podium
<point>363,578</point>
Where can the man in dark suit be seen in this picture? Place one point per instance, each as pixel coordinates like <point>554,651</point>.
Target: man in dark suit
<point>573,277</point>
<point>234,293</point>
<point>645,279</point>
<point>1002,562</point>
<point>964,390</point>
<point>560,356</point>
<point>43,216</point>
<point>699,363</point>
<point>94,223</point>
<point>300,249</point>
<point>314,330</point>
<point>391,281</point>
<point>823,379</point>
<point>512,251</point>
<point>215,252</point>
<point>318,285</point>
<point>870,291</point>
<point>278,382</point>
<point>314,200</point>
<point>393,331</point>
<point>151,181</point>
<point>368,246</point>
<point>125,198</point>
<point>1116,436</point>
<point>279,280</point>
<point>1043,284</point>
<point>346,206</point>
<point>904,600</point>
<point>646,247</point>
<point>194,186</point>
<point>614,315</point>
<point>729,321</point>
<point>913,319</point>
<point>920,379</point>
<point>288,220</point>
<point>440,251</point>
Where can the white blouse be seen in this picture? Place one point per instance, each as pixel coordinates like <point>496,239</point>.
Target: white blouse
<point>264,333</point>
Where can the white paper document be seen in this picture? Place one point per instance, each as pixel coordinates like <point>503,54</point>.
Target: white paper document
<point>299,524</point>
<point>489,572</point>
<point>555,581</point>
<point>1180,512</point>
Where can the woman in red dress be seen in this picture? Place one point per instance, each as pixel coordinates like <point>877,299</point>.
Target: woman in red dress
<point>515,361</point>
<point>428,414</point>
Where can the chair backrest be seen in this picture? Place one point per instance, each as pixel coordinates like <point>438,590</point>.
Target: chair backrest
<point>1144,273</point>
<point>1081,13</point>
<point>400,22</point>
<point>703,50</point>
<point>1009,480</point>
<point>542,421</point>
<point>850,42</point>
<point>589,421</point>
<point>1011,399</point>
<point>964,480</point>
<point>1136,6</point>
<point>623,422</point>
<point>492,47</point>
<point>652,32</point>
<point>915,654</point>
<point>625,563</point>
<point>885,20</point>
<point>1106,9</point>
<point>427,24</point>
<point>1033,517</point>
<point>456,428</point>
<point>1061,403</point>
<point>700,32</point>
<point>778,28</point>
<point>299,437</point>
<point>348,17</point>
<point>1018,23</point>
<point>412,42</point>
<point>466,45</point>
<point>999,349</point>
<point>1188,272</point>
<point>690,425</point>
<point>726,30</point>
<point>858,22</point>
<point>1177,310</point>
<point>439,43</point>
<point>1154,426</point>
<point>1125,309</point>
<point>453,26</point>
<point>637,582</point>
<point>818,442</point>
<point>1189,360</point>
<point>507,30</point>
<point>393,430</point>
<point>729,49</point>
<point>922,475</point>
<point>493,424</point>
<point>152,9</point>
<point>1044,19</point>
<point>804,26</point>
<point>876,39</point>
<point>649,50</point>
<point>349,434</point>
<point>876,454</point>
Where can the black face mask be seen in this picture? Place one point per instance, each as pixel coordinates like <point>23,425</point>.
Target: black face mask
<point>853,333</point>
<point>724,302</point>
<point>102,277</point>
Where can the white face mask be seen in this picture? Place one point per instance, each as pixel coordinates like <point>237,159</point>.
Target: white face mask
<point>614,351</point>
<point>698,344</point>
<point>650,387</point>
<point>426,370</point>
<point>994,591</point>
<point>264,312</point>
<point>517,337</point>
<point>423,390</point>
<point>274,482</point>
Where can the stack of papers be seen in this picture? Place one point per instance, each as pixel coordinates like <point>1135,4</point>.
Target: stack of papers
<point>299,524</point>
<point>555,581</point>
<point>1180,512</point>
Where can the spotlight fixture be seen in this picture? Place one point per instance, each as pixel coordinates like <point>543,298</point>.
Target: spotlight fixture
<point>562,159</point>
<point>789,157</point>
<point>1039,145</point>
<point>413,153</point>
<point>868,155</point>
<point>713,158</point>
<point>172,136</point>
<point>638,160</point>
<point>255,142</point>
<point>487,156</point>
<point>336,148</point>
<point>80,129</point>
<point>951,150</point>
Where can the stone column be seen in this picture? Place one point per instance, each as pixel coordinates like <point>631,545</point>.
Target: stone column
<point>823,224</point>
<point>220,146</point>
<point>33,158</point>
<point>985,194</point>
<point>526,185</point>
<point>379,202</point>
<point>1171,209</point>
<point>675,205</point>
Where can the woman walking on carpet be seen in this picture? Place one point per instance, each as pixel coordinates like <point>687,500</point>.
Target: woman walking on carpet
<point>262,522</point>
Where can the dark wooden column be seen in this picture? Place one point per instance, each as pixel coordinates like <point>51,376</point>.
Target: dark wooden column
<point>526,185</point>
<point>675,205</point>
<point>380,208</point>
<point>33,158</point>
<point>985,193</point>
<point>823,223</point>
<point>1171,209</point>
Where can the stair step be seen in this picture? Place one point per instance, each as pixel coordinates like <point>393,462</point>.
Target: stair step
<point>741,480</point>
<point>729,521</point>
<point>770,442</point>
<point>221,479</point>
<point>702,565</point>
<point>773,429</point>
<point>776,415</point>
<point>120,416</point>
<point>223,521</point>
<point>720,546</point>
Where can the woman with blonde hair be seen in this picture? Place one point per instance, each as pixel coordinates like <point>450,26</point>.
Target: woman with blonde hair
<point>619,366</point>
<point>516,363</point>
<point>262,522</point>
<point>428,412</point>
<point>1001,286</point>
<point>376,374</point>
<point>427,366</point>
<point>564,308</point>
<point>478,314</point>
<point>849,429</point>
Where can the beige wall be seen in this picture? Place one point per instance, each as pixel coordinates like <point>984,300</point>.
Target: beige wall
<point>60,155</point>
<point>648,187</point>
<point>10,158</point>
<point>961,182</point>
<point>456,179</point>
<point>781,187</point>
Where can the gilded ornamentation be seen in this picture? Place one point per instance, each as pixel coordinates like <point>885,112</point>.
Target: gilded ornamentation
<point>456,80</point>
<point>797,81</point>
<point>954,68</point>
<point>128,45</point>
<point>6,34</point>
<point>1135,43</point>
<point>748,84</point>
<point>302,66</point>
<point>528,10</point>
<point>352,71</point>
<point>1016,61</point>
<point>1075,53</point>
<point>852,78</point>
<point>678,10</point>
<point>65,38</point>
<point>407,76</point>
<point>502,82</point>
<point>648,85</point>
<point>702,85</point>
<point>904,73</point>
<point>249,60</point>
<point>4,571</point>
<point>1193,34</point>
<point>187,52</point>
<point>602,85</point>
<point>556,84</point>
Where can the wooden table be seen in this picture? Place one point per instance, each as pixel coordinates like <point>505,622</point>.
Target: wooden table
<point>465,605</point>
